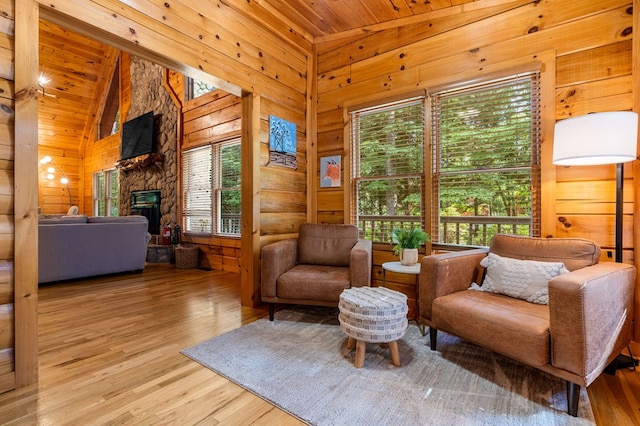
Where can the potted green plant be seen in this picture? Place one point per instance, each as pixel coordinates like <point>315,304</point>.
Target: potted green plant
<point>407,242</point>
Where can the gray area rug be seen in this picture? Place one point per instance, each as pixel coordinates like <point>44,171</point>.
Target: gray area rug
<point>301,364</point>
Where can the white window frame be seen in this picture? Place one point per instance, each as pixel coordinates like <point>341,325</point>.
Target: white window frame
<point>208,213</point>
<point>104,194</point>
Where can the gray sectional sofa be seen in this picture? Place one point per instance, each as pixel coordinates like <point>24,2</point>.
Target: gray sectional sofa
<point>77,246</point>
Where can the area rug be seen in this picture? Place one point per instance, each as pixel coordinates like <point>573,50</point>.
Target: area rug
<point>300,363</point>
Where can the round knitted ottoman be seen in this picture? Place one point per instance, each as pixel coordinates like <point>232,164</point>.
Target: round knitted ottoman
<point>373,315</point>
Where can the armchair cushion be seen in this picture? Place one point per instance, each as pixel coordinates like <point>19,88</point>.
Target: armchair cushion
<point>328,245</point>
<point>522,279</point>
<point>513,327</point>
<point>313,282</point>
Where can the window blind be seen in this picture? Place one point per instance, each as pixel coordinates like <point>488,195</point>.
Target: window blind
<point>486,160</point>
<point>228,188</point>
<point>388,167</point>
<point>197,194</point>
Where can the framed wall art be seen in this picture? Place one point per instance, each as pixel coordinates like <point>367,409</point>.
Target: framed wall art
<point>282,142</point>
<point>330,171</point>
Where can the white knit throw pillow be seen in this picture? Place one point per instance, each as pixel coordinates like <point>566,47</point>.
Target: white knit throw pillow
<point>522,279</point>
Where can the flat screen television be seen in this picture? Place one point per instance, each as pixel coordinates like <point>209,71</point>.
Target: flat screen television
<point>137,136</point>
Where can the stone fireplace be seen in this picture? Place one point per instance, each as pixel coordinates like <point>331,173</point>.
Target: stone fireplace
<point>149,94</point>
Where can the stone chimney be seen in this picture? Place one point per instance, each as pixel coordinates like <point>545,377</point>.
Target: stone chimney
<point>148,93</point>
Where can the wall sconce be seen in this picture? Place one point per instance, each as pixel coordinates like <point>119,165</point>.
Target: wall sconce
<point>51,173</point>
<point>43,81</point>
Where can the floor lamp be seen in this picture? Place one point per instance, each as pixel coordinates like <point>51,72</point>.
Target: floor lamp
<point>51,175</point>
<point>600,138</point>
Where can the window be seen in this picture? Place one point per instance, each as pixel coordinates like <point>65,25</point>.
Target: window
<point>105,193</point>
<point>110,119</point>
<point>388,168</point>
<point>486,161</point>
<point>211,178</point>
<point>483,173</point>
<point>195,88</point>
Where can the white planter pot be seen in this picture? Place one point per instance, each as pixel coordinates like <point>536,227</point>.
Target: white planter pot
<point>409,257</point>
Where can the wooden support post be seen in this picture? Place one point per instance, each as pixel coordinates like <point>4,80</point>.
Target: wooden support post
<point>26,193</point>
<point>250,249</point>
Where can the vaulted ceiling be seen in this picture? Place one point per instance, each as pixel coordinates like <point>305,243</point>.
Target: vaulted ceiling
<point>73,69</point>
<point>76,67</point>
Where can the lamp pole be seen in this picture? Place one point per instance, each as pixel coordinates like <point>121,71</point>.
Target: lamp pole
<point>619,210</point>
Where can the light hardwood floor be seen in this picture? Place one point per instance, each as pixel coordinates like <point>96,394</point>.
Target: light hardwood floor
<point>110,354</point>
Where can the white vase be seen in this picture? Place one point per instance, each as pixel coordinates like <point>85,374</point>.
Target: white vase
<point>409,257</point>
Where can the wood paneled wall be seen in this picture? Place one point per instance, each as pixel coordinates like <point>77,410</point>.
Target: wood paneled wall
<point>591,45</point>
<point>53,195</point>
<point>238,54</point>
<point>211,118</point>
<point>78,70</point>
<point>99,155</point>
<point>7,106</point>
<point>217,116</point>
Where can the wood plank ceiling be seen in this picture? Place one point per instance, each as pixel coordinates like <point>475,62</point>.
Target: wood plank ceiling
<point>72,66</point>
<point>319,18</point>
<point>75,66</point>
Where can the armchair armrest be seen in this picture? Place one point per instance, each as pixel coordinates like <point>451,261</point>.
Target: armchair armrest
<point>360,263</point>
<point>591,313</point>
<point>277,258</point>
<point>442,274</point>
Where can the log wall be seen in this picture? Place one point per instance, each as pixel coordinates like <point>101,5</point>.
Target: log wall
<point>591,53</point>
<point>7,291</point>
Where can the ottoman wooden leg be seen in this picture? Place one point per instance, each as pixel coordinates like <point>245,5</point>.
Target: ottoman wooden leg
<point>361,348</point>
<point>395,354</point>
<point>351,343</point>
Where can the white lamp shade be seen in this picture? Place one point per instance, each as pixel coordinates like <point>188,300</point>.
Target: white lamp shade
<point>598,138</point>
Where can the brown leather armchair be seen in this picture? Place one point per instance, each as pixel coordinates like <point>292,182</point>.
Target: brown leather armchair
<point>314,268</point>
<point>586,324</point>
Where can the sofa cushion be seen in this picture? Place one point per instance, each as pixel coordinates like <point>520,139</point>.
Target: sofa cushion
<point>512,327</point>
<point>62,219</point>
<point>117,219</point>
<point>313,282</point>
<point>522,279</point>
<point>326,244</point>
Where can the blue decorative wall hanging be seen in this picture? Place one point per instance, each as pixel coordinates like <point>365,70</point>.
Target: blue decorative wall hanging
<point>282,142</point>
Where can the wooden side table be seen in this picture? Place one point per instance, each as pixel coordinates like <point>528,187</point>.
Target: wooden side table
<point>404,269</point>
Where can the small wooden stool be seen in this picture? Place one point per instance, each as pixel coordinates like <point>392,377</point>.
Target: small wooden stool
<point>373,315</point>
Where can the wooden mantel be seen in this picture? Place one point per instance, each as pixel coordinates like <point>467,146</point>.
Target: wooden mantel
<point>140,161</point>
